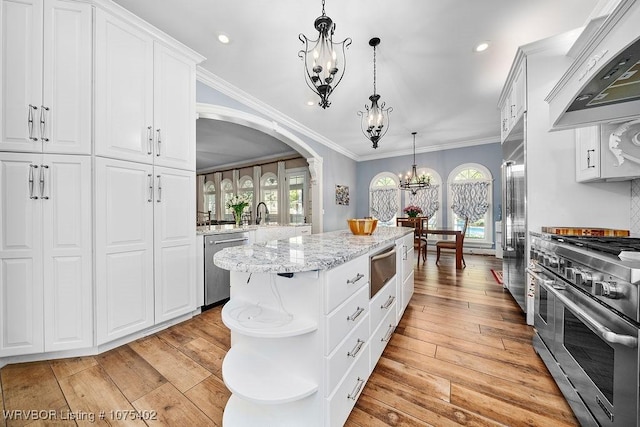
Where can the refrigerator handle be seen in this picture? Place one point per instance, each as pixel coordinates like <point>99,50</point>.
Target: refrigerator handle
<point>506,202</point>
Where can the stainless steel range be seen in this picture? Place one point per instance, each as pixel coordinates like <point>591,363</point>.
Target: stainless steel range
<point>587,323</point>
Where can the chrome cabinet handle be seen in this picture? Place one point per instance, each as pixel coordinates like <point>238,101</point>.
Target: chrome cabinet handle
<point>31,168</point>
<point>589,165</point>
<point>149,141</point>
<point>356,391</point>
<point>388,303</point>
<point>43,123</point>
<point>42,168</point>
<point>404,251</point>
<point>150,199</point>
<point>159,190</point>
<point>159,142</point>
<point>355,315</point>
<point>387,336</point>
<point>355,279</point>
<point>221,242</point>
<point>354,352</point>
<point>30,122</point>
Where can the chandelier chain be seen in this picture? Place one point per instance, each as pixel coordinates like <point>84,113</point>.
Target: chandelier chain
<point>374,70</point>
<point>323,14</point>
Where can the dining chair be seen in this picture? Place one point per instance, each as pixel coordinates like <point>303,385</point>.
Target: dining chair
<point>420,226</point>
<point>451,244</point>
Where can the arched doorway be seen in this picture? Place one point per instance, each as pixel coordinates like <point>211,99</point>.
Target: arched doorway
<point>225,114</point>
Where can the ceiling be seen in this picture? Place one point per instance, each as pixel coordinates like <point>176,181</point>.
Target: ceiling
<point>426,67</point>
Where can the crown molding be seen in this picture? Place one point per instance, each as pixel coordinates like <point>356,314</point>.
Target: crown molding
<point>432,148</point>
<point>208,78</point>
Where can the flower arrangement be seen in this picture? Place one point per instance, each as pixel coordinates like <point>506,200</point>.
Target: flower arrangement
<point>412,210</point>
<point>238,203</point>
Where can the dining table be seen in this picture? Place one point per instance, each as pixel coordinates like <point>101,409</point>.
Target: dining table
<point>450,232</point>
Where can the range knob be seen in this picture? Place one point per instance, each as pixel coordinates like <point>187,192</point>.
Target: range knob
<point>609,290</point>
<point>587,277</point>
<point>570,274</point>
<point>553,261</point>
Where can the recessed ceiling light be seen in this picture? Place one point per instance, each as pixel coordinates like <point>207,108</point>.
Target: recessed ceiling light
<point>310,103</point>
<point>481,47</point>
<point>223,38</point>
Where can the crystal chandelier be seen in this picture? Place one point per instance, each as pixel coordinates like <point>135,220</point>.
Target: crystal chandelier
<point>412,182</point>
<point>322,64</point>
<point>375,121</point>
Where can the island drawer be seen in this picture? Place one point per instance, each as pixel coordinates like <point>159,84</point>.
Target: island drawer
<point>383,302</point>
<point>344,280</point>
<point>380,338</point>
<point>352,348</point>
<point>345,318</point>
<point>341,402</point>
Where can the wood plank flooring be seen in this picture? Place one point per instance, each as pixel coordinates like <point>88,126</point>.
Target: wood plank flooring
<point>462,355</point>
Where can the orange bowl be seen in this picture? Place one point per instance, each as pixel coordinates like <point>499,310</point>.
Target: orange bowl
<point>362,227</point>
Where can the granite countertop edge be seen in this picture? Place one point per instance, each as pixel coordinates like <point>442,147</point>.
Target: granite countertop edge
<point>306,253</point>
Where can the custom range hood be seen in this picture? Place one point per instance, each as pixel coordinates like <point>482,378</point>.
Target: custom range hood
<point>603,82</point>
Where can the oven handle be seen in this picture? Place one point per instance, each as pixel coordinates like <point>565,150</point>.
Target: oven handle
<point>605,333</point>
<point>384,255</point>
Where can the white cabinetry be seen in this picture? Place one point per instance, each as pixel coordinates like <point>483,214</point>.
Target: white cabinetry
<point>145,246</point>
<point>45,255</point>
<point>594,159</point>
<point>46,76</point>
<point>513,102</point>
<point>404,274</point>
<point>145,97</point>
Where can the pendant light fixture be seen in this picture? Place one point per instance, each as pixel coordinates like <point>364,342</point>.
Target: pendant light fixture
<point>375,120</point>
<point>324,60</point>
<point>412,182</point>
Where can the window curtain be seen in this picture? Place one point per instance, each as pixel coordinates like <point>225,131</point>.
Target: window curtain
<point>470,199</point>
<point>426,199</point>
<point>384,203</point>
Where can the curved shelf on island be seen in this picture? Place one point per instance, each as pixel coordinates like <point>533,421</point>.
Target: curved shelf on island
<point>254,320</point>
<point>257,379</point>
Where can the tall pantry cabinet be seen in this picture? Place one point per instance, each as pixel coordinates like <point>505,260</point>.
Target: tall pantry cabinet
<point>45,198</point>
<point>97,176</point>
<point>145,168</point>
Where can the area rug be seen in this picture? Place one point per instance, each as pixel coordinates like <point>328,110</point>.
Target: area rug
<point>497,275</point>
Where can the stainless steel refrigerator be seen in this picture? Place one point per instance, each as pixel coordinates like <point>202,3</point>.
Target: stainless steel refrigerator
<point>514,213</point>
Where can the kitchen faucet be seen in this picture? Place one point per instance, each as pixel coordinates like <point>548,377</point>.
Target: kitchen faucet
<point>258,215</point>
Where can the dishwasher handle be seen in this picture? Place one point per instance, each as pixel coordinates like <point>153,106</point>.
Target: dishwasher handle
<point>220,242</point>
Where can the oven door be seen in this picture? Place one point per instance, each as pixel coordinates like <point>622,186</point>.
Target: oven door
<point>544,313</point>
<point>598,351</point>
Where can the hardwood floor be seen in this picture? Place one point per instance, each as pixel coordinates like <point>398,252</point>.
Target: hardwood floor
<point>462,355</point>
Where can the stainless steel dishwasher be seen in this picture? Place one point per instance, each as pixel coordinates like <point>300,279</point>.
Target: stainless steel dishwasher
<point>216,279</point>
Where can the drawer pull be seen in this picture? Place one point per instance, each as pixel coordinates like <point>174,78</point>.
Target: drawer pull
<point>355,315</point>
<point>355,279</point>
<point>388,303</point>
<point>356,349</point>
<point>356,390</point>
<point>387,336</point>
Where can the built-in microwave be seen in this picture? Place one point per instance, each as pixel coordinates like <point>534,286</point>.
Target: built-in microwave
<point>382,266</point>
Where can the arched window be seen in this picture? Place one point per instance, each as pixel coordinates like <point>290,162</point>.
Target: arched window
<point>226,190</point>
<point>245,188</point>
<point>470,194</point>
<point>210,198</point>
<point>384,198</point>
<point>269,194</point>
<point>428,199</point>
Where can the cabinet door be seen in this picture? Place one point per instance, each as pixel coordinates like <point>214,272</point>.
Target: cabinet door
<point>66,106</point>
<point>21,75</point>
<point>67,263</point>
<point>175,237</point>
<point>124,248</point>
<point>174,109</point>
<point>519,94</point>
<point>21,299</point>
<point>123,90</point>
<point>587,153</point>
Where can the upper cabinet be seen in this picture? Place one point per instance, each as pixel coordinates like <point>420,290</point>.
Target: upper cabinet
<point>602,84</point>
<point>145,97</point>
<point>46,76</point>
<point>607,152</point>
<point>513,100</point>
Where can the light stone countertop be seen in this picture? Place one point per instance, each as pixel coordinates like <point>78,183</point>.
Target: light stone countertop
<point>305,253</point>
<point>231,228</point>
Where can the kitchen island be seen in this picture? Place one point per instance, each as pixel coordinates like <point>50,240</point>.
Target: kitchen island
<point>305,331</point>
